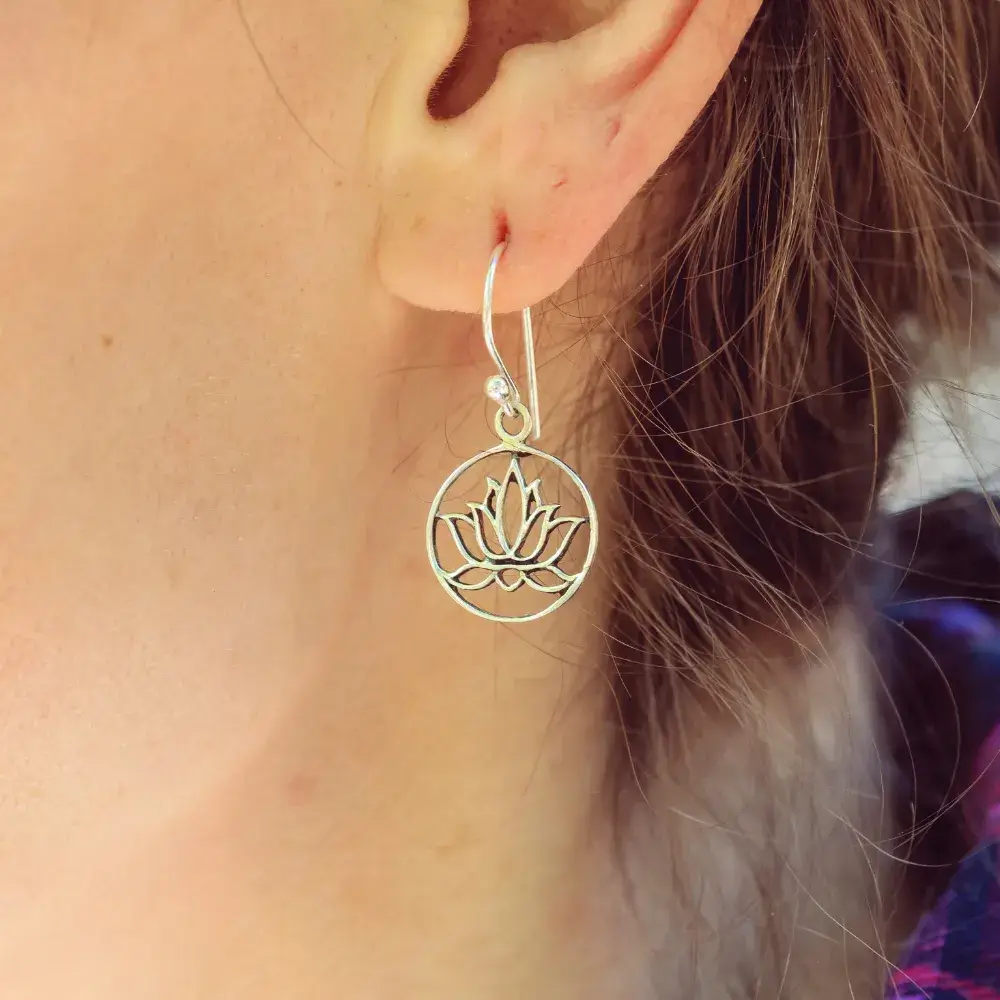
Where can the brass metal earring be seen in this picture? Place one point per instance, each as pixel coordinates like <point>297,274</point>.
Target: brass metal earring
<point>508,555</point>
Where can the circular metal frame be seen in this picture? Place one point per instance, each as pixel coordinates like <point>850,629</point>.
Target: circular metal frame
<point>512,445</point>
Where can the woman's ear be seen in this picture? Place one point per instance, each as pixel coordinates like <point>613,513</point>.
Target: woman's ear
<point>560,141</point>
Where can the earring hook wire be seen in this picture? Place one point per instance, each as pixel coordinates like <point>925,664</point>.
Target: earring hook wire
<point>514,395</point>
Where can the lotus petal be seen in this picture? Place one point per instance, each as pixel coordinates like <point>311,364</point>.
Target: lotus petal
<point>472,577</point>
<point>517,503</point>
<point>454,521</point>
<point>552,531</point>
<point>510,579</point>
<point>488,532</point>
<point>573,525</point>
<point>548,580</point>
<point>513,482</point>
<point>538,519</point>
<point>492,495</point>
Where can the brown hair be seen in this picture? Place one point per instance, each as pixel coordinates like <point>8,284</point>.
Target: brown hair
<point>844,178</point>
<point>847,178</point>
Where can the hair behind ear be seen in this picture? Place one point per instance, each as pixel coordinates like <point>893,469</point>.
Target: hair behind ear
<point>845,176</point>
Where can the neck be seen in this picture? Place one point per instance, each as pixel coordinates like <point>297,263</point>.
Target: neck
<point>311,709</point>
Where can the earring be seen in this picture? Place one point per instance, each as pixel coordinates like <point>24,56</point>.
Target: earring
<point>508,555</point>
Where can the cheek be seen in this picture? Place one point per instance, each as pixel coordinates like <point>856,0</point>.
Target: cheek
<point>39,57</point>
<point>93,121</point>
<point>138,123</point>
<point>40,49</point>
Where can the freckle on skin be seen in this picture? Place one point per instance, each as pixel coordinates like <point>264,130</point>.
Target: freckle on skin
<point>107,340</point>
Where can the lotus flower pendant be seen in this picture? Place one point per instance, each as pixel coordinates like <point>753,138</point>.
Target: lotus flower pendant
<point>507,554</point>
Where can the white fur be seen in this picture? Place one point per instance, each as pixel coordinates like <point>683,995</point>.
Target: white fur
<point>760,862</point>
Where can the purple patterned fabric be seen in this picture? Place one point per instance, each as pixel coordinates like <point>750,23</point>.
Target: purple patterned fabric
<point>954,953</point>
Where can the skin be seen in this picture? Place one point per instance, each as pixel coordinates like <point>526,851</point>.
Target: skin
<point>250,749</point>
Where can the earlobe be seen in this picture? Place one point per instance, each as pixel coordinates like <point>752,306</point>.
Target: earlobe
<point>564,138</point>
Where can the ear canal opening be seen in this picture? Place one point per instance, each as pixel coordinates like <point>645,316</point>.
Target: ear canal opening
<point>495,27</point>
